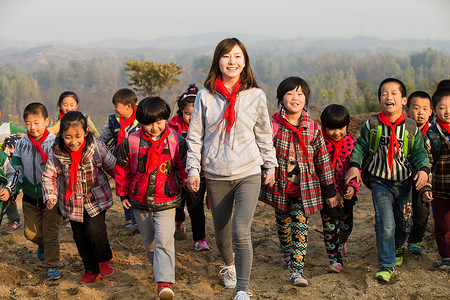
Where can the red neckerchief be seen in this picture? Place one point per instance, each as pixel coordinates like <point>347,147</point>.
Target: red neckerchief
<point>153,152</point>
<point>124,125</point>
<point>425,128</point>
<point>61,114</point>
<point>74,164</point>
<point>38,145</point>
<point>337,146</point>
<point>229,111</point>
<point>443,125</point>
<point>393,142</point>
<point>297,131</point>
<point>184,125</point>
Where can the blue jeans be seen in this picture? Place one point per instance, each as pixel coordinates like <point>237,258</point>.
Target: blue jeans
<point>392,203</point>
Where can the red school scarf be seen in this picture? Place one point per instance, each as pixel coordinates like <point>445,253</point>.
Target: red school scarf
<point>297,131</point>
<point>60,114</point>
<point>38,145</point>
<point>229,114</point>
<point>74,164</point>
<point>425,128</point>
<point>443,125</point>
<point>184,125</point>
<point>393,142</point>
<point>124,125</point>
<point>337,146</point>
<point>153,153</point>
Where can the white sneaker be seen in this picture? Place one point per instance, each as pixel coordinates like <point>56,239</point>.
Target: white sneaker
<point>241,295</point>
<point>229,276</point>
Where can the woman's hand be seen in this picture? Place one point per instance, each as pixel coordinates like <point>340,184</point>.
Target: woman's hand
<point>193,183</point>
<point>269,179</point>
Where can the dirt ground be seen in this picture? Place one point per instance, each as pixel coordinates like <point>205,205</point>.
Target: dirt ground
<point>22,275</point>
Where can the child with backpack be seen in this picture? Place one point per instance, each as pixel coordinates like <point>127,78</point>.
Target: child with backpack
<point>437,143</point>
<point>68,101</point>
<point>75,180</point>
<point>418,108</point>
<point>303,178</point>
<point>193,200</point>
<point>399,148</point>
<point>338,221</point>
<point>118,127</point>
<point>149,174</point>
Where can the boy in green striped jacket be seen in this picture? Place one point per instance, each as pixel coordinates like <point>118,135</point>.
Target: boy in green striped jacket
<point>391,174</point>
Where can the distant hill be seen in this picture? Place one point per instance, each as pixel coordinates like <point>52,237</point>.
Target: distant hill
<point>167,46</point>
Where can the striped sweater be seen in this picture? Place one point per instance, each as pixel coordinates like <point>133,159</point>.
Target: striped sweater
<point>402,167</point>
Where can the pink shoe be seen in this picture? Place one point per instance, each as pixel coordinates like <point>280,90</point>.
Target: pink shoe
<point>89,278</point>
<point>201,245</point>
<point>335,268</point>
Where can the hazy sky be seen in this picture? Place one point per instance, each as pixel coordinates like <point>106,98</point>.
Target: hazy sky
<point>79,21</point>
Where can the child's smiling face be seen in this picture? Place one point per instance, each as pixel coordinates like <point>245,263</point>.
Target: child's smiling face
<point>294,101</point>
<point>442,110</point>
<point>391,100</point>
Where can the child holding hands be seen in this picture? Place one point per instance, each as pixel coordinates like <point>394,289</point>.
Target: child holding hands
<point>338,221</point>
<point>149,175</point>
<point>304,176</point>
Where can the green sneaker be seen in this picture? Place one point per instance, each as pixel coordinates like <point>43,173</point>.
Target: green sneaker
<point>415,248</point>
<point>385,274</point>
<point>399,256</point>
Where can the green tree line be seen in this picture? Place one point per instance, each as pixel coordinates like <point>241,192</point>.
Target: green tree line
<point>350,79</point>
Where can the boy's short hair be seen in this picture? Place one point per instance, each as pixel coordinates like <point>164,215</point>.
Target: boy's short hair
<point>402,86</point>
<point>438,95</point>
<point>443,84</point>
<point>292,83</point>
<point>37,109</point>
<point>418,94</point>
<point>151,110</point>
<point>125,96</point>
<point>335,116</point>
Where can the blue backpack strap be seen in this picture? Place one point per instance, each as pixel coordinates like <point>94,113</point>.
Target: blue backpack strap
<point>435,141</point>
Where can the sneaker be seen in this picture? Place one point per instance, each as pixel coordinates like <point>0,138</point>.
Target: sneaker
<point>241,295</point>
<point>128,224</point>
<point>385,274</point>
<point>11,227</point>
<point>53,273</point>
<point>89,278</point>
<point>297,279</point>
<point>399,256</point>
<point>343,249</point>
<point>40,253</point>
<point>201,245</point>
<point>135,229</point>
<point>165,291</point>
<point>445,263</point>
<point>415,248</point>
<point>106,269</point>
<point>179,231</point>
<point>287,260</point>
<point>335,268</point>
<point>229,276</point>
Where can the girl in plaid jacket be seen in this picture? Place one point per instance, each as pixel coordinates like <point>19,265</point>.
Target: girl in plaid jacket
<point>303,178</point>
<point>75,179</point>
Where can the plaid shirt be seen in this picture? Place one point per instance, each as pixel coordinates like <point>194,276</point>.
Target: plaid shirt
<point>439,179</point>
<point>316,174</point>
<point>92,192</point>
